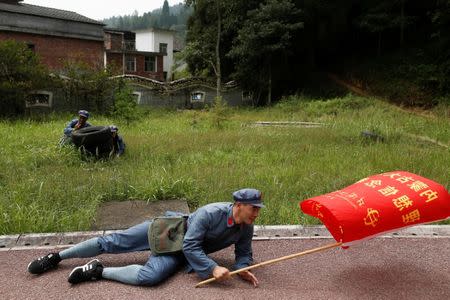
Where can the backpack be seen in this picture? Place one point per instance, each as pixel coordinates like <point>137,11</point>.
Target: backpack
<point>166,234</point>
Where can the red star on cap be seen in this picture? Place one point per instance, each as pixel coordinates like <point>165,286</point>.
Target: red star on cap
<point>230,221</point>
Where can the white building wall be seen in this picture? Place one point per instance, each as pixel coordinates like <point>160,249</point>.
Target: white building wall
<point>149,40</point>
<point>165,37</point>
<point>145,40</point>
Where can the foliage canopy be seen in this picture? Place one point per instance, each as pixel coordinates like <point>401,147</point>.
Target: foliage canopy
<point>266,44</point>
<point>20,73</point>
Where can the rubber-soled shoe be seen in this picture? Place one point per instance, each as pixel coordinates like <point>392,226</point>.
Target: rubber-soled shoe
<point>90,271</point>
<point>44,263</point>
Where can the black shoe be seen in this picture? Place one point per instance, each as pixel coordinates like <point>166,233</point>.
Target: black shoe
<point>90,271</point>
<point>44,263</point>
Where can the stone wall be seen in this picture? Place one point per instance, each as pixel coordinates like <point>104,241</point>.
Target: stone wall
<point>190,93</point>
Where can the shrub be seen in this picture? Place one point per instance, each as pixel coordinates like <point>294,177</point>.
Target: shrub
<point>220,112</point>
<point>20,73</point>
<point>125,106</point>
<point>88,86</point>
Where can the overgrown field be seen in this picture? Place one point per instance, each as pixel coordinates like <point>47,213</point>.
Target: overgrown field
<point>184,154</point>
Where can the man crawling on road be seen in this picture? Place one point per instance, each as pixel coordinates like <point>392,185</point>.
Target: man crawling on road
<point>210,228</point>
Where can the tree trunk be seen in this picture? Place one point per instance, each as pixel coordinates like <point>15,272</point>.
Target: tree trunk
<point>269,93</point>
<point>219,28</point>
<point>402,22</point>
<point>379,44</point>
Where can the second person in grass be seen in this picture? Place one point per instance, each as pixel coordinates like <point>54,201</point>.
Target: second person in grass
<point>75,124</point>
<point>118,143</point>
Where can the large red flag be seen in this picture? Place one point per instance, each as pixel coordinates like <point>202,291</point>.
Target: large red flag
<point>379,204</point>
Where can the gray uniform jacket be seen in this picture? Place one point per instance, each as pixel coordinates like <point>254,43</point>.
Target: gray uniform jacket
<point>211,228</point>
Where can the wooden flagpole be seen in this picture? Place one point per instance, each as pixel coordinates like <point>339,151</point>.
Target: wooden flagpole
<point>272,261</point>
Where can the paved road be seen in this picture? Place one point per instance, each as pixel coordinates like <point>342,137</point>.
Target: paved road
<point>381,268</point>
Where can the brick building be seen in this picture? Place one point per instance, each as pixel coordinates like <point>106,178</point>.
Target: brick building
<point>121,52</point>
<point>55,35</point>
<point>58,36</point>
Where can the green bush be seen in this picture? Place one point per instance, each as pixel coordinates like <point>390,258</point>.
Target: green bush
<point>220,112</point>
<point>88,86</point>
<point>20,73</point>
<point>125,106</point>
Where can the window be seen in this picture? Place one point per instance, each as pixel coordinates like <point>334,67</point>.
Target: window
<point>163,48</point>
<point>39,99</point>
<point>197,96</point>
<point>137,97</point>
<point>130,62</point>
<point>129,45</point>
<point>150,64</point>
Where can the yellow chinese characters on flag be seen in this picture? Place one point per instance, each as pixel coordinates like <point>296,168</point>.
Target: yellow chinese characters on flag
<point>378,204</point>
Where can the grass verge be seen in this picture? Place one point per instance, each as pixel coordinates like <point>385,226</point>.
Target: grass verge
<point>182,154</point>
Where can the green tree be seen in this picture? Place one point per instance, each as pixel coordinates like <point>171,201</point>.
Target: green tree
<point>125,106</point>
<point>88,86</point>
<point>254,52</point>
<point>212,27</point>
<point>207,51</point>
<point>265,37</point>
<point>220,113</point>
<point>381,16</point>
<point>440,18</point>
<point>165,15</point>
<point>20,73</point>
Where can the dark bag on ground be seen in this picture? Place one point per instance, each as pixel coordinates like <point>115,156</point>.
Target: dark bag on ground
<point>165,234</point>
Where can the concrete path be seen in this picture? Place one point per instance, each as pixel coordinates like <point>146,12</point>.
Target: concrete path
<point>401,266</point>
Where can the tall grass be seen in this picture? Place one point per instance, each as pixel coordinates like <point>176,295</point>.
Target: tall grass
<point>182,154</point>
